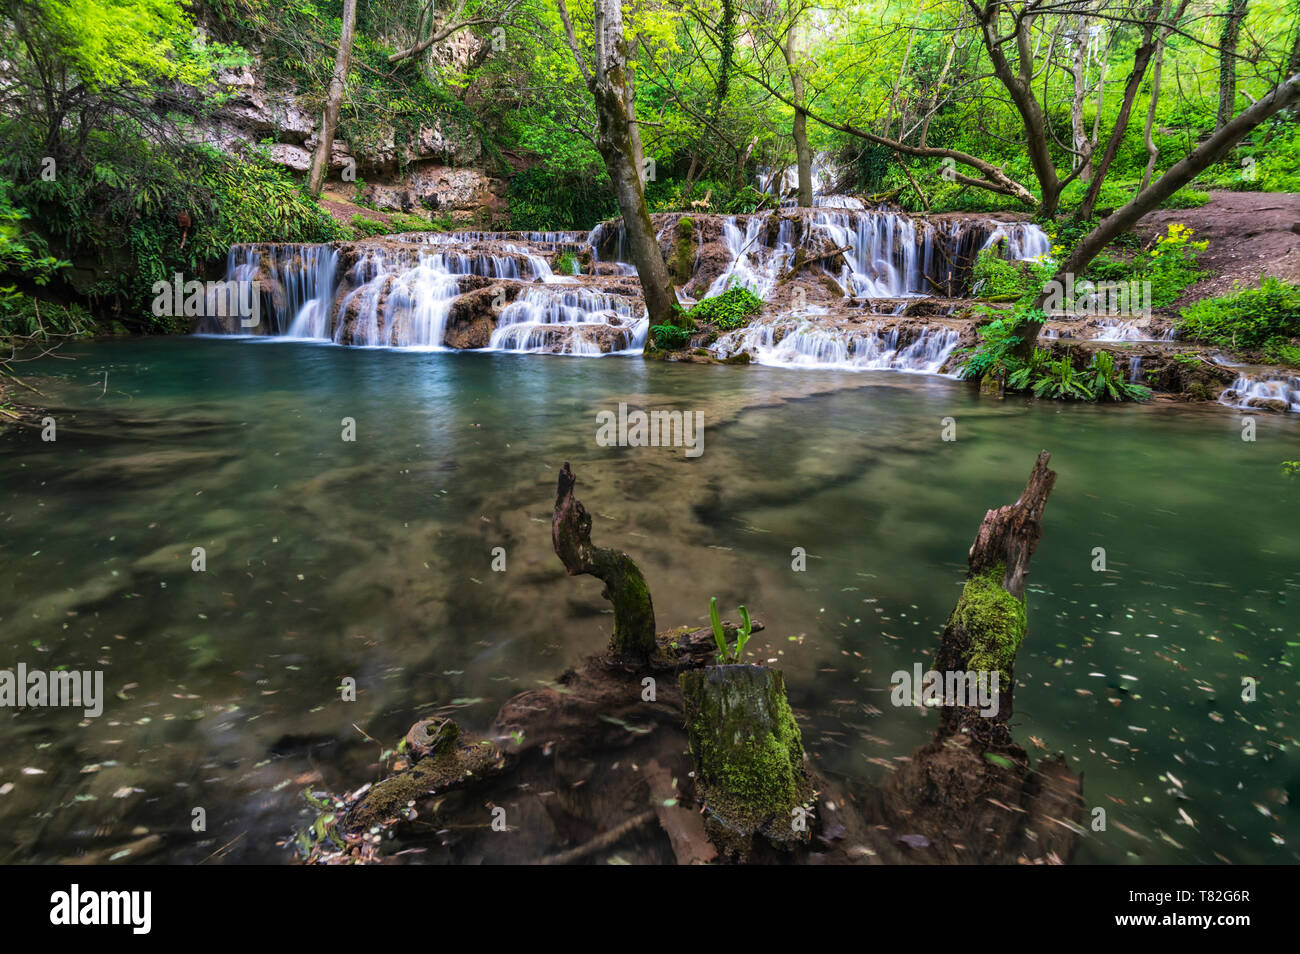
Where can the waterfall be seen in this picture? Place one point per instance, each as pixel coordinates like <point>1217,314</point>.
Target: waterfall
<point>302,275</point>
<point>882,257</point>
<point>569,322</point>
<point>1116,329</point>
<point>753,264</point>
<point>1025,240</point>
<point>1134,367</point>
<point>399,305</point>
<point>1280,393</point>
<point>801,343</point>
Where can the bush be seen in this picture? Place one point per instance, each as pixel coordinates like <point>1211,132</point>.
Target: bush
<point>116,215</point>
<point>732,309</point>
<point>1267,318</point>
<point>996,279</point>
<point>994,360</point>
<point>670,337</point>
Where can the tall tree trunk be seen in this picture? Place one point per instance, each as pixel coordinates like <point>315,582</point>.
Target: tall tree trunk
<point>618,143</point>
<point>1282,96</point>
<point>1148,131</point>
<point>320,160</point>
<point>634,128</point>
<point>802,151</point>
<point>1228,60</point>
<point>1018,82</point>
<point>1079,75</point>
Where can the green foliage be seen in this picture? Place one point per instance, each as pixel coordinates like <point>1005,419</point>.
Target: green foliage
<point>996,279</point>
<point>566,263</point>
<point>1107,383</point>
<point>1061,381</point>
<point>1265,318</point>
<point>994,360</point>
<point>544,199</point>
<point>670,337</point>
<point>1186,198</point>
<point>732,309</point>
<point>22,255</point>
<point>362,226</point>
<point>997,340</point>
<point>729,654</point>
<point>1170,266</point>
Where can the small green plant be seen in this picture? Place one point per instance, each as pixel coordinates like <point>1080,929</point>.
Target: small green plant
<point>566,263</point>
<point>1023,377</point>
<point>669,337</point>
<point>1291,468</point>
<point>726,654</point>
<point>732,309</point>
<point>998,339</point>
<point>1107,383</point>
<point>1061,381</point>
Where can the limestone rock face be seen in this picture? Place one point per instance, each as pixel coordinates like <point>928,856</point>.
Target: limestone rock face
<point>439,188</point>
<point>422,169</point>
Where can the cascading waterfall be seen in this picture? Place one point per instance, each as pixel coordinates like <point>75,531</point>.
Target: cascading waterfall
<point>882,257</point>
<point>753,264</point>
<point>1281,392</point>
<point>1116,329</point>
<point>568,322</point>
<point>802,343</point>
<point>403,291</point>
<point>304,275</point>
<point>1024,240</point>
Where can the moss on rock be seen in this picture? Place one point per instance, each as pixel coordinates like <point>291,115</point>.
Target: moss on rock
<point>682,261</point>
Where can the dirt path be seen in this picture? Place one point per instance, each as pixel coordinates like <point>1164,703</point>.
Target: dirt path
<point>1251,234</point>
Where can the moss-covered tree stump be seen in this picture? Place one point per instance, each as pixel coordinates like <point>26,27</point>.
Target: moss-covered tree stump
<point>748,758</point>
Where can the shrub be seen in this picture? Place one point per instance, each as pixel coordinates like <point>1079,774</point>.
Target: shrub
<point>669,337</point>
<point>732,309</point>
<point>1267,318</point>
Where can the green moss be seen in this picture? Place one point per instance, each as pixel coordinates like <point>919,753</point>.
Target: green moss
<point>994,623</point>
<point>682,261</point>
<point>747,747</point>
<point>634,615</point>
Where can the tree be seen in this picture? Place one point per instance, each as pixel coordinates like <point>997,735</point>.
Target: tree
<point>1282,96</point>
<point>451,25</point>
<point>320,160</point>
<point>1236,12</point>
<point>609,79</point>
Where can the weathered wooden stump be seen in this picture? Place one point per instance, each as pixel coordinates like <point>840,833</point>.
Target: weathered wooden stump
<point>748,754</point>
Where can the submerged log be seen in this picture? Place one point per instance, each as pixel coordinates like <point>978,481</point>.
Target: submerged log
<point>749,762</point>
<point>625,587</point>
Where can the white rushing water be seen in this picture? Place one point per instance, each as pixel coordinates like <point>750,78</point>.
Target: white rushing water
<point>401,296</point>
<point>1251,392</point>
<point>569,322</point>
<point>800,342</point>
<point>1025,240</point>
<point>401,293</point>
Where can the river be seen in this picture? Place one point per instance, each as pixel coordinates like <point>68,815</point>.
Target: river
<point>373,559</point>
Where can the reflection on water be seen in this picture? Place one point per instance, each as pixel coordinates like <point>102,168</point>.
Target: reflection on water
<point>371,559</point>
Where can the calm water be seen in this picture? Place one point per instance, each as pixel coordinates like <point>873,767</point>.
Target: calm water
<point>372,559</point>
